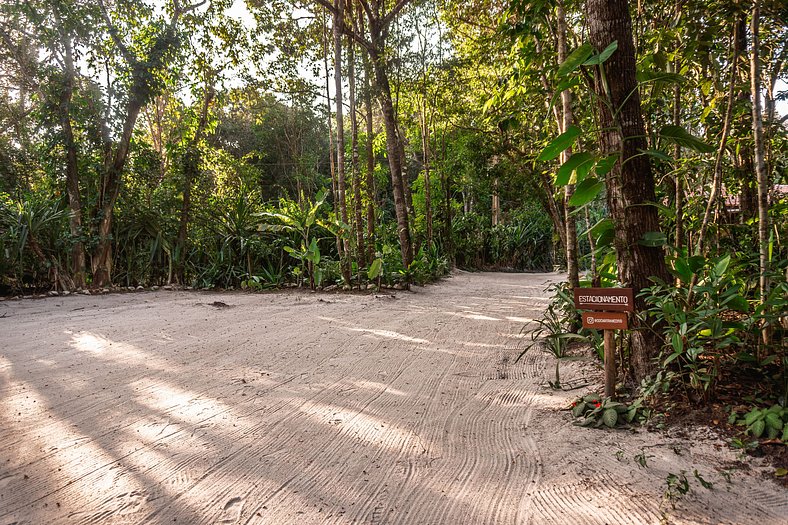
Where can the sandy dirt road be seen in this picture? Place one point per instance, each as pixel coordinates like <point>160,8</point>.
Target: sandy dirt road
<point>300,408</point>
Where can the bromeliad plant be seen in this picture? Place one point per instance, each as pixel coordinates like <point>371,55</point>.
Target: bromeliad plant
<point>555,328</point>
<point>597,411</point>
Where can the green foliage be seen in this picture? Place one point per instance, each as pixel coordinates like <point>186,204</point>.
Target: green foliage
<point>768,423</point>
<point>32,236</point>
<point>701,321</point>
<point>523,242</point>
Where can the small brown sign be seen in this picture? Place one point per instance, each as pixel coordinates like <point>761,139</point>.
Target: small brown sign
<point>605,320</point>
<point>605,299</point>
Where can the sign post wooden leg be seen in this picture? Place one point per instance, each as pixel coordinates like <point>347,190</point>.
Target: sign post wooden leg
<point>610,364</point>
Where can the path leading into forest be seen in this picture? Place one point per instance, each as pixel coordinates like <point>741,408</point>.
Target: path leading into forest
<point>301,408</point>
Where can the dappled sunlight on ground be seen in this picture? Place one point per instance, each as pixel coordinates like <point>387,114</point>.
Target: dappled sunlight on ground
<point>356,409</point>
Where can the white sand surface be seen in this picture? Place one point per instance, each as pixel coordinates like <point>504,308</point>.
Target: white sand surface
<point>309,408</point>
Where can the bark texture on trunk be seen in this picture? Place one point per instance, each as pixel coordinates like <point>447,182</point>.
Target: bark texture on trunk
<point>72,168</point>
<point>760,161</point>
<point>370,174</point>
<point>630,184</point>
<point>394,146</point>
<point>358,223</point>
<point>191,167</point>
<point>567,118</point>
<point>339,6</point>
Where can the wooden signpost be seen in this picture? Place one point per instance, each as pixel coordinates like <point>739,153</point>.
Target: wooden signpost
<point>608,312</point>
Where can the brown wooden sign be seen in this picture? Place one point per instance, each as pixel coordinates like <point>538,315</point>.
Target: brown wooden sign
<point>605,320</point>
<point>605,299</point>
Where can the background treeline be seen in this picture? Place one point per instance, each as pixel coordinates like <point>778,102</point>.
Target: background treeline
<point>172,142</point>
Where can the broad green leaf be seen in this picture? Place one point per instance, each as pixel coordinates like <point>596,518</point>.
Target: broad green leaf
<point>660,76</point>
<point>564,175</point>
<point>603,56</point>
<point>375,268</point>
<point>677,343</point>
<point>721,266</point>
<point>586,191</point>
<point>653,239</point>
<point>604,225</point>
<point>696,262</point>
<point>682,270</point>
<point>560,143</point>
<point>657,154</point>
<point>738,303</point>
<point>680,136</point>
<point>575,59</point>
<point>604,166</point>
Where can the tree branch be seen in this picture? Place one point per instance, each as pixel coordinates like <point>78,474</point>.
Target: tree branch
<point>394,12</point>
<point>113,31</point>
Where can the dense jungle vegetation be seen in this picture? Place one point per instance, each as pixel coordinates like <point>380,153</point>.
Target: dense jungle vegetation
<point>221,143</point>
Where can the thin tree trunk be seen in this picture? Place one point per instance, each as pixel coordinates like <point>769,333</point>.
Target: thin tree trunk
<point>357,204</point>
<point>748,195</point>
<point>370,174</point>
<point>72,169</point>
<point>191,166</point>
<point>760,163</point>
<point>630,184</point>
<point>339,6</point>
<point>572,267</point>
<point>331,157</point>
<point>425,148</point>
<point>716,183</point>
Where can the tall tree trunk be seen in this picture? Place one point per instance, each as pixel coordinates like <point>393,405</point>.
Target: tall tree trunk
<point>191,166</point>
<point>72,169</point>
<point>358,222</point>
<point>760,162</point>
<point>679,181</point>
<point>748,196</point>
<point>140,92</point>
<point>425,148</point>
<point>716,184</point>
<point>370,151</point>
<point>331,156</point>
<point>630,184</point>
<point>393,145</point>
<point>339,6</point>
<point>101,261</point>
<point>572,267</point>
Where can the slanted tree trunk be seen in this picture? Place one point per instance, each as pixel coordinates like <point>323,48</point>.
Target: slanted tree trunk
<point>425,148</point>
<point>140,92</point>
<point>630,184</point>
<point>393,144</point>
<point>716,183</point>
